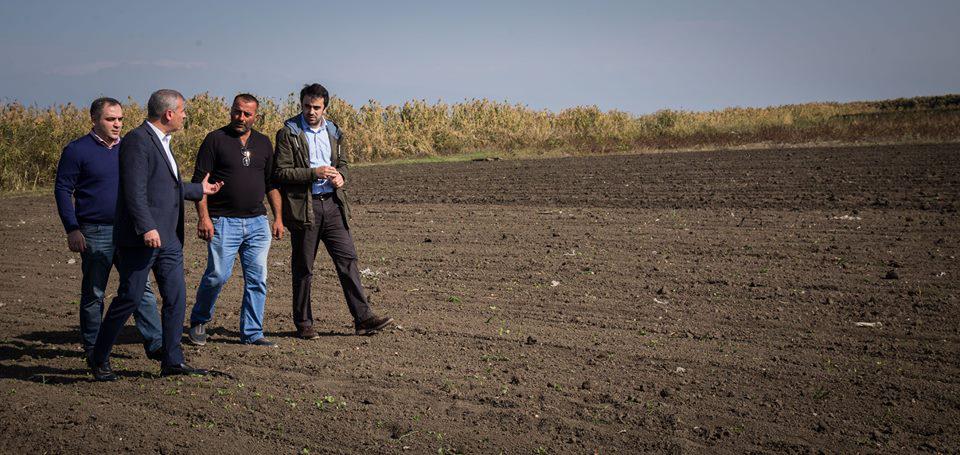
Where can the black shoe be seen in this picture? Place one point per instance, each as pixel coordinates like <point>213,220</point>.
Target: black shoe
<point>262,342</point>
<point>307,334</point>
<point>182,369</point>
<point>372,325</point>
<point>102,372</point>
<point>156,354</point>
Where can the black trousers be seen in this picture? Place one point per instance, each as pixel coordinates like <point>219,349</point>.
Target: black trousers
<point>328,227</point>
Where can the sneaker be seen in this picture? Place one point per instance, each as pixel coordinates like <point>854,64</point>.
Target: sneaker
<point>308,334</point>
<point>373,325</point>
<point>263,342</point>
<point>198,334</point>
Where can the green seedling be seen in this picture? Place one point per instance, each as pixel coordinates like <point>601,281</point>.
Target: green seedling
<point>820,393</point>
<point>329,400</point>
<point>494,358</point>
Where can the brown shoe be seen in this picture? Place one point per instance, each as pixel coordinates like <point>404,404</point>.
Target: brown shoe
<point>308,334</point>
<point>373,325</point>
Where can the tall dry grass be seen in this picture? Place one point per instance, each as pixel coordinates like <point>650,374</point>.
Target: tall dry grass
<point>31,138</point>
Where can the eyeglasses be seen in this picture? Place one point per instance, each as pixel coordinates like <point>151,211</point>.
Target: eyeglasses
<point>245,152</point>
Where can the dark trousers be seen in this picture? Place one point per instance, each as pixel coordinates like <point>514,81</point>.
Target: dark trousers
<point>134,265</point>
<point>328,227</point>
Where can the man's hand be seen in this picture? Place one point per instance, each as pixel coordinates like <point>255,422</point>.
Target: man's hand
<point>152,239</point>
<point>210,188</point>
<point>76,242</point>
<point>325,172</point>
<point>205,228</point>
<point>336,180</point>
<point>277,229</point>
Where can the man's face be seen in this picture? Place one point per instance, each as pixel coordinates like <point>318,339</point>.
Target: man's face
<point>176,117</point>
<point>243,115</point>
<point>110,123</point>
<point>313,110</point>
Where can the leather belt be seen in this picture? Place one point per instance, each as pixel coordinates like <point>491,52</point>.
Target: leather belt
<point>323,196</point>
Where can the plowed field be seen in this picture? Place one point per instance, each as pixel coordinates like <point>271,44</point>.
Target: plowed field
<point>800,301</point>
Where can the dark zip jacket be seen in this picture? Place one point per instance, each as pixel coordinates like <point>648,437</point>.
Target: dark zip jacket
<point>294,177</point>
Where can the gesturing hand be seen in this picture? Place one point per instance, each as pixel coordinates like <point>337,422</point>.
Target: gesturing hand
<point>152,239</point>
<point>210,188</point>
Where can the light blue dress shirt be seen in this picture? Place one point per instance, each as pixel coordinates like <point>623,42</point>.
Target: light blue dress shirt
<point>319,144</point>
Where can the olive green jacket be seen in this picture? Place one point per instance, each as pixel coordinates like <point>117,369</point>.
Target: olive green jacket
<point>294,177</point>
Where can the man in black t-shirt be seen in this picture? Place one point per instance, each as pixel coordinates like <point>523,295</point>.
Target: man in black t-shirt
<point>234,221</point>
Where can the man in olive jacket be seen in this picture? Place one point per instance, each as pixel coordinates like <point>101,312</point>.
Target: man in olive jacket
<point>310,169</point>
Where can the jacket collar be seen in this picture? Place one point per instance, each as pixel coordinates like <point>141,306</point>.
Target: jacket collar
<point>294,125</point>
<point>152,132</point>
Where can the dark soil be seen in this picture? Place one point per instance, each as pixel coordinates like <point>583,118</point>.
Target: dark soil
<point>675,302</point>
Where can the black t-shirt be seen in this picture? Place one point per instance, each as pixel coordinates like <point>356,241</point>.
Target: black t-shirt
<point>245,180</point>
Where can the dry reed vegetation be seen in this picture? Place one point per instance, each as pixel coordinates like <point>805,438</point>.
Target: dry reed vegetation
<point>32,138</point>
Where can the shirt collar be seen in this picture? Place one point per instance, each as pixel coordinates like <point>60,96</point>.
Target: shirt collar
<point>306,127</point>
<point>164,137</point>
<point>103,142</point>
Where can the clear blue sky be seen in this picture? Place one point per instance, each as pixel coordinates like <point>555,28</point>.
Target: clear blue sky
<point>637,56</point>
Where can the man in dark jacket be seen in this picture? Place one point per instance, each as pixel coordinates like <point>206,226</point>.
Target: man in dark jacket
<point>150,233</point>
<point>310,169</point>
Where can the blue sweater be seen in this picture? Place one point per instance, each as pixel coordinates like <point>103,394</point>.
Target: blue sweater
<point>90,173</point>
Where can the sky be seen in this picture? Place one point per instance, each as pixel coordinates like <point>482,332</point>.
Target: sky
<point>635,56</point>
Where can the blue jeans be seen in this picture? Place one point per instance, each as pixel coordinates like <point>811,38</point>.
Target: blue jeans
<point>250,237</point>
<point>96,263</point>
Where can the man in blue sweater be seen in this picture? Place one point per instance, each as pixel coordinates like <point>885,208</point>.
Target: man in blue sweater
<point>86,192</point>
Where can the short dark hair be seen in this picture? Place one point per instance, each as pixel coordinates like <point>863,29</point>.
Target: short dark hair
<point>315,91</point>
<point>247,98</point>
<point>96,107</point>
<point>161,101</point>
